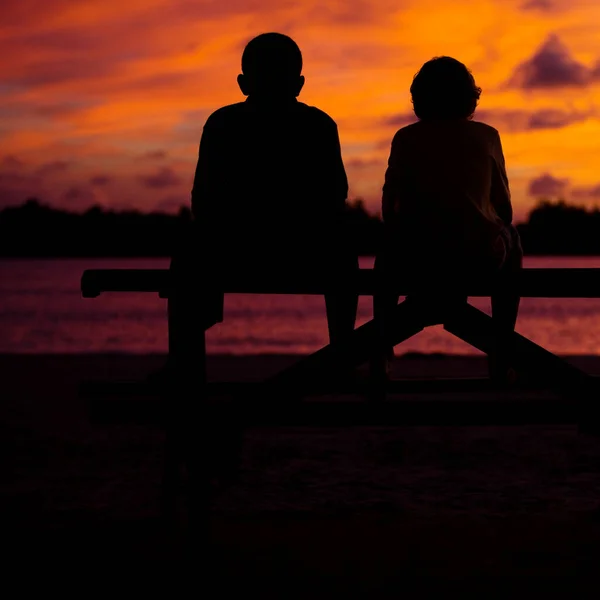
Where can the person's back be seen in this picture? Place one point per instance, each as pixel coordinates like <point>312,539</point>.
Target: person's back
<point>269,196</point>
<point>270,180</point>
<point>446,198</point>
<point>274,178</point>
<point>446,206</point>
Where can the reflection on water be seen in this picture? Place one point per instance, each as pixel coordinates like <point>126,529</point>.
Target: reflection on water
<point>41,310</point>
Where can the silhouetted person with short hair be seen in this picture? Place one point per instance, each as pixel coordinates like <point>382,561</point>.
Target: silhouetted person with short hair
<point>446,200</point>
<point>270,188</point>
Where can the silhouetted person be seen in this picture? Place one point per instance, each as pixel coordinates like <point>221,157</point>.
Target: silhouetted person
<point>270,188</point>
<point>446,201</point>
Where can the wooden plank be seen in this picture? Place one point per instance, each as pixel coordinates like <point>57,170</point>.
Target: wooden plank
<point>352,414</point>
<point>476,328</point>
<point>529,283</point>
<point>312,370</point>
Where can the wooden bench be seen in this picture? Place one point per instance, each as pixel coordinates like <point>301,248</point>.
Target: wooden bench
<point>180,407</point>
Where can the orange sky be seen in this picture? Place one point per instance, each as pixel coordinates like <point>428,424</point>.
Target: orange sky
<point>103,101</point>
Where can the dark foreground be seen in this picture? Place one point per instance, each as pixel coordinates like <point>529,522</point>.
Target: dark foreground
<point>411,512</point>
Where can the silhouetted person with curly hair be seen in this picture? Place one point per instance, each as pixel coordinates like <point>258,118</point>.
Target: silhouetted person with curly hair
<point>446,201</point>
<point>270,188</point>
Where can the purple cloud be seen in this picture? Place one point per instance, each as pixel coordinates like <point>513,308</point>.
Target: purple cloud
<point>13,173</point>
<point>100,180</point>
<point>554,119</point>
<point>11,162</point>
<point>545,5</point>
<point>550,67</point>
<point>52,167</point>
<point>13,13</point>
<point>153,155</point>
<point>547,185</point>
<point>172,204</point>
<point>16,183</point>
<point>10,196</point>
<point>587,192</point>
<point>79,197</point>
<point>363,163</point>
<point>64,108</point>
<point>401,120</point>
<point>163,178</point>
<point>509,120</point>
<point>8,177</point>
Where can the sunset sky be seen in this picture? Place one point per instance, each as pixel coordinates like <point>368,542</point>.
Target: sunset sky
<point>103,101</point>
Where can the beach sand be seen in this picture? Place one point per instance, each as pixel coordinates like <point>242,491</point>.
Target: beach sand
<point>411,511</point>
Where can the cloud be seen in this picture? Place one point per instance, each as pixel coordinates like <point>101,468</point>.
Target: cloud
<point>79,197</point>
<point>100,180</point>
<point>153,155</point>
<point>59,110</point>
<point>400,120</point>
<point>544,5</point>
<point>16,183</point>
<point>52,168</point>
<point>172,204</point>
<point>95,46</point>
<point>110,85</point>
<point>547,185</point>
<point>16,178</point>
<point>15,175</point>
<point>11,162</point>
<point>505,120</point>
<point>516,120</point>
<point>552,66</point>
<point>555,119</point>
<point>357,163</point>
<point>163,178</point>
<point>521,120</point>
<point>355,12</point>
<point>16,12</point>
<point>592,191</point>
<point>10,196</point>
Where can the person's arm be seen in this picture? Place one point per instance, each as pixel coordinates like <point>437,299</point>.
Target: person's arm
<point>333,179</point>
<point>392,187</point>
<point>205,187</point>
<point>500,192</point>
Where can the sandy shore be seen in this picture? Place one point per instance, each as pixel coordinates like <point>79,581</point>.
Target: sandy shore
<point>316,512</point>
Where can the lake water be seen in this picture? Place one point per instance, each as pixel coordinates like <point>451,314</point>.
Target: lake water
<point>41,311</point>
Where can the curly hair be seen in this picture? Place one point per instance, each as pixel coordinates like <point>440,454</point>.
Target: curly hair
<point>444,89</point>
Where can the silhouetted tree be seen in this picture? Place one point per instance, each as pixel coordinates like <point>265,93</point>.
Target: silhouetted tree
<point>555,228</point>
<point>34,229</point>
<point>37,230</point>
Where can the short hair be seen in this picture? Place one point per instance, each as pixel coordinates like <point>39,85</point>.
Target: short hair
<point>272,55</point>
<point>444,89</point>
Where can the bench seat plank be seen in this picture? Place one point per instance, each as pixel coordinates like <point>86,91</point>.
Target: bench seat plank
<point>529,283</point>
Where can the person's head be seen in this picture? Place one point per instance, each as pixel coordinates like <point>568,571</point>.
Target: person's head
<point>444,89</point>
<point>271,67</point>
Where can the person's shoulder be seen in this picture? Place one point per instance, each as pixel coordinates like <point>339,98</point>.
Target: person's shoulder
<point>316,115</point>
<point>483,128</point>
<point>408,131</point>
<point>225,114</point>
<point>410,128</point>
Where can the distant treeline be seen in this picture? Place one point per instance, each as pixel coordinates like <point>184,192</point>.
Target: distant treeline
<point>36,230</point>
<point>558,228</point>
